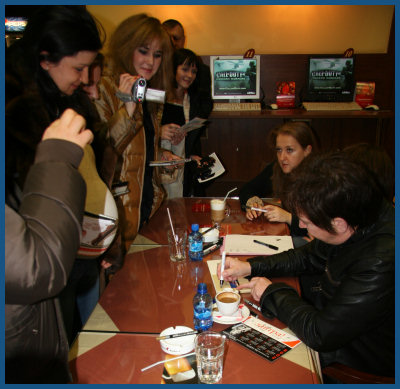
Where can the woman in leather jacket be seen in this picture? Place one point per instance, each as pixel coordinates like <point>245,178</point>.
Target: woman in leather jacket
<point>347,313</point>
<point>139,47</point>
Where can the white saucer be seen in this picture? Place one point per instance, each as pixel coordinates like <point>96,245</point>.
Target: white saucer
<point>244,313</point>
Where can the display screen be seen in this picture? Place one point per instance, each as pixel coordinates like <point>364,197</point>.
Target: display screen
<point>235,77</point>
<point>330,79</point>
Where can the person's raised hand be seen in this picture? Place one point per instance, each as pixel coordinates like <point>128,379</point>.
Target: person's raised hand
<point>71,127</point>
<point>126,82</point>
<point>257,285</point>
<point>170,132</point>
<point>254,202</point>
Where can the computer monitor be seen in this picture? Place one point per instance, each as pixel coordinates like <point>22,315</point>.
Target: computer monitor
<point>235,78</point>
<point>330,78</point>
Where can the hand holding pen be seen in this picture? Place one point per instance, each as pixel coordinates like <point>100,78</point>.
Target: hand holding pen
<point>255,210</point>
<point>233,269</point>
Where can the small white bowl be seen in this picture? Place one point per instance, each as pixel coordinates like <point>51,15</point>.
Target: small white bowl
<point>180,345</point>
<point>211,236</point>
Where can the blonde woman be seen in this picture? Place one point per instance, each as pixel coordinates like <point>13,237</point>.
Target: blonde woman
<point>139,47</point>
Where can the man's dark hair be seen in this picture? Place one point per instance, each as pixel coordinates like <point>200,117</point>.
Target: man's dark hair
<point>377,160</point>
<point>334,185</point>
<point>171,23</point>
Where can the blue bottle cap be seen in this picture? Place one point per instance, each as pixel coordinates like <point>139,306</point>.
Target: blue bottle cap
<point>202,288</point>
<point>195,227</point>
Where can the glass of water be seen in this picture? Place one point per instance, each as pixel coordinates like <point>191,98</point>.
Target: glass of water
<point>209,347</point>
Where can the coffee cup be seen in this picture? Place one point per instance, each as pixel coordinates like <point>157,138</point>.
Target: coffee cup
<point>219,210</point>
<point>228,301</point>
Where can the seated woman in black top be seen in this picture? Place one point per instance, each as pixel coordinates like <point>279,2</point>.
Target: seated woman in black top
<point>293,142</point>
<point>185,104</point>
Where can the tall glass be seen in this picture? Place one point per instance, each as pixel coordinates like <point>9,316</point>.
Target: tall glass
<point>209,347</point>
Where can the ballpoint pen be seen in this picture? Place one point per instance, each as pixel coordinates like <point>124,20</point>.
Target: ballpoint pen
<point>221,278</point>
<point>255,306</point>
<point>271,246</point>
<point>209,229</point>
<point>177,335</point>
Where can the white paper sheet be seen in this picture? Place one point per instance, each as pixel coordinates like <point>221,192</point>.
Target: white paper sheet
<point>236,244</point>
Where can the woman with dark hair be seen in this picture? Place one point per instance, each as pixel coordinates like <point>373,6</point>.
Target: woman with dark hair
<point>44,71</point>
<point>139,47</point>
<point>293,142</point>
<point>184,104</point>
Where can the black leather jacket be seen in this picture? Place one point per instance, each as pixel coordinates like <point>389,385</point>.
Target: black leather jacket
<point>348,313</point>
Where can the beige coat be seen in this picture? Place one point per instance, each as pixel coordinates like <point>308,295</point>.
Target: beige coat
<point>127,136</point>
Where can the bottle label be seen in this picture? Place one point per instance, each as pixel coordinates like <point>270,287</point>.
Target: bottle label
<point>201,311</point>
<point>196,246</point>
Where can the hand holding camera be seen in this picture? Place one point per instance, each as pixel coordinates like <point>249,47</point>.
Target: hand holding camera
<point>134,89</point>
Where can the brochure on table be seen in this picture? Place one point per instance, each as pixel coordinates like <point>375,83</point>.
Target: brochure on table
<point>262,338</point>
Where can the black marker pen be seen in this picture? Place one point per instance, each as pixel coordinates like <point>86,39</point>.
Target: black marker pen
<point>213,247</point>
<point>271,246</point>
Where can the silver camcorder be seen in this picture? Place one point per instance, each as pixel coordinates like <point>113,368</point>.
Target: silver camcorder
<point>140,92</point>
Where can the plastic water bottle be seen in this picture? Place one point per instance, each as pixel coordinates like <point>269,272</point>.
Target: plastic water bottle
<point>202,309</point>
<point>195,244</point>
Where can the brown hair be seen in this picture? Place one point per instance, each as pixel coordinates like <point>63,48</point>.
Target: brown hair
<point>135,31</point>
<point>304,135</point>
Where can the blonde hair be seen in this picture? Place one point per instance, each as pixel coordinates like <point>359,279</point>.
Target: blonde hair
<point>136,31</point>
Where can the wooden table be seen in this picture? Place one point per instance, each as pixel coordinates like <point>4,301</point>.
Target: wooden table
<point>151,293</point>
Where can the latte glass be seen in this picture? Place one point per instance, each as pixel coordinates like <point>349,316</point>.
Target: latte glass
<point>219,211</point>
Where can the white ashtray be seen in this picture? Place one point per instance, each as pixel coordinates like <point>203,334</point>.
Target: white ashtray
<point>179,345</point>
<point>211,236</point>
